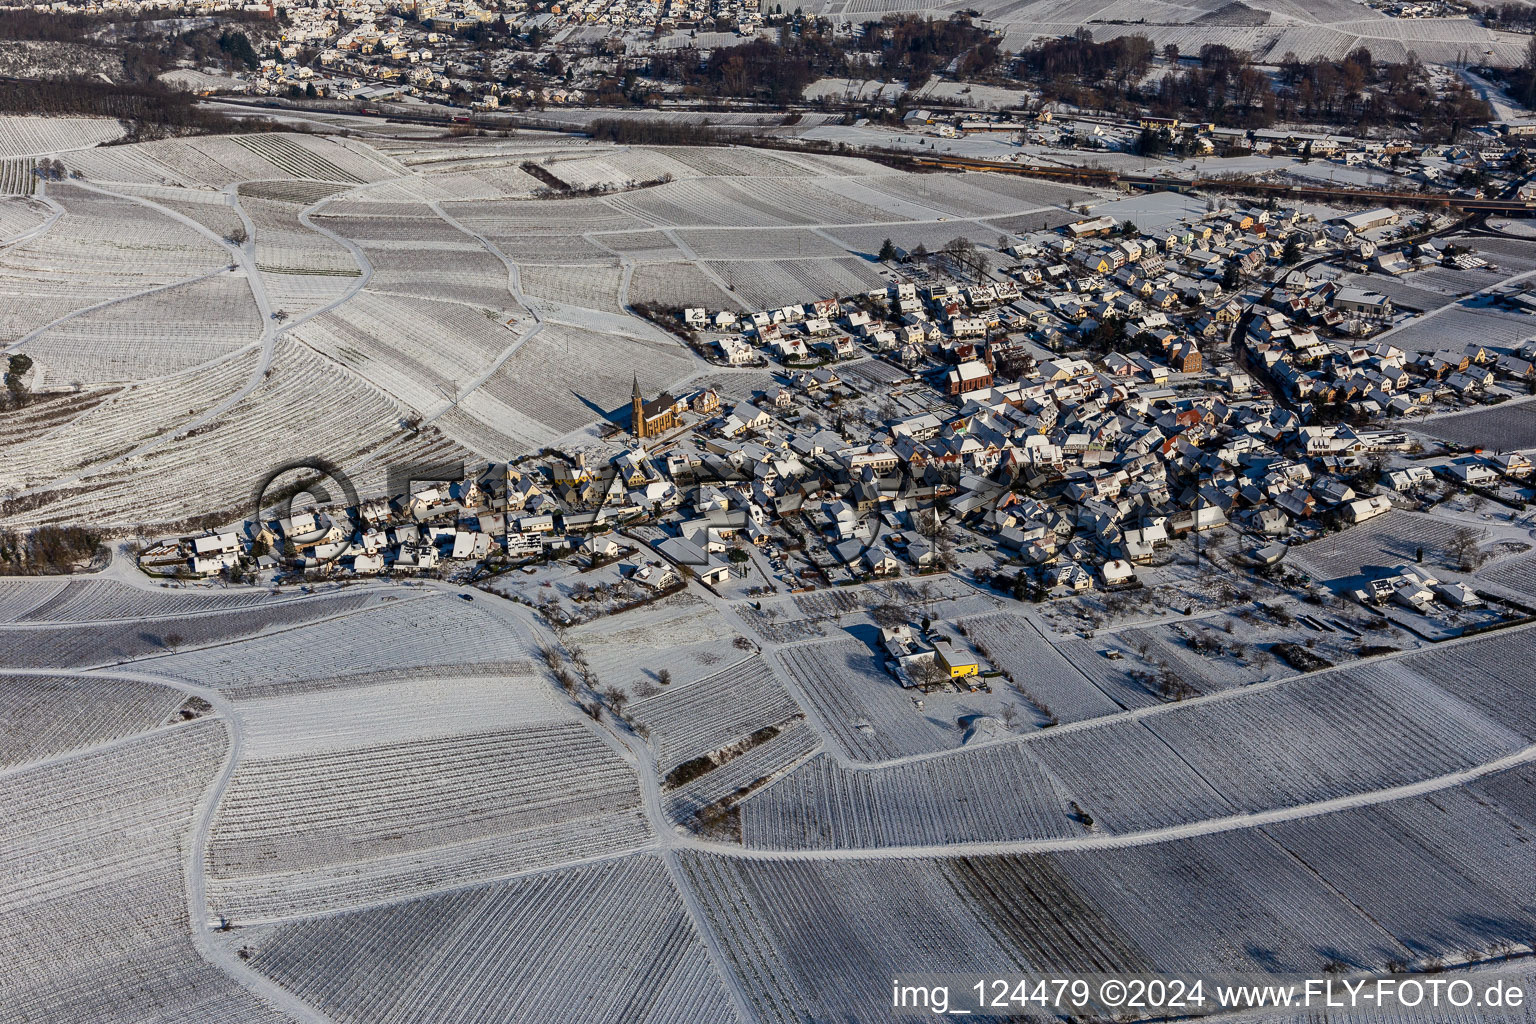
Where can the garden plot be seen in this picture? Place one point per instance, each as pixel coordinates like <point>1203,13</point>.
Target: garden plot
<point>993,794</point>
<point>1231,901</point>
<point>589,286</point>
<point>456,271</point>
<point>679,634</point>
<point>1492,674</point>
<point>726,784</point>
<point>866,710</point>
<point>1385,542</point>
<point>422,353</point>
<point>1127,778</point>
<point>84,644</point>
<point>96,600</point>
<point>395,634</point>
<point>678,285</point>
<point>1433,901</point>
<point>1354,731</point>
<point>764,283</point>
<point>117,421</point>
<point>163,333</point>
<point>610,942</point>
<point>1507,427</point>
<point>687,722</point>
<point>1017,648</point>
<point>25,135</point>
<point>533,788</point>
<point>41,717</point>
<point>566,376</point>
<point>93,914</point>
<point>822,941</point>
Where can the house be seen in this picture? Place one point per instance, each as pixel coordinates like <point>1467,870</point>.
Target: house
<point>1358,300</point>
<point>1361,509</point>
<point>1185,357</point>
<point>1117,572</point>
<point>958,662</point>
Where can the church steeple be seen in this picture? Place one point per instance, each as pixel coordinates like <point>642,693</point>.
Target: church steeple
<point>637,410</point>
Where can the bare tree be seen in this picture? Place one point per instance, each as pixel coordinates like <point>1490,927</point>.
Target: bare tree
<point>1464,548</point>
<point>664,677</point>
<point>1009,715</point>
<point>616,699</point>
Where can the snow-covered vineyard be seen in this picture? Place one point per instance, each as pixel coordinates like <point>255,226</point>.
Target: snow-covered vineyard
<point>466,824</point>
<point>690,765</point>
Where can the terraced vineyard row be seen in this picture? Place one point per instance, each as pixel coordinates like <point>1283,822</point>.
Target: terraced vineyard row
<point>93,914</point>
<point>42,716</point>
<point>18,177</point>
<point>994,794</point>
<point>293,813</point>
<point>608,943</point>
<point>719,709</point>
<point>869,714</point>
<point>81,645</point>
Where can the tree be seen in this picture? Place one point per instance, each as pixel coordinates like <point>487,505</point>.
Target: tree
<point>1009,715</point>
<point>887,251</point>
<point>664,677</point>
<point>1464,546</point>
<point>616,699</point>
<point>172,641</point>
<point>1232,276</point>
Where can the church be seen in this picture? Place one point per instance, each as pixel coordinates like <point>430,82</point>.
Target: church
<point>651,419</point>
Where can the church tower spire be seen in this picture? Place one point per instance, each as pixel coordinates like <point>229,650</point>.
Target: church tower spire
<point>637,411</point>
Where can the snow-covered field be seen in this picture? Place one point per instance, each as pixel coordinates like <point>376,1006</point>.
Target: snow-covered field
<point>401,816</point>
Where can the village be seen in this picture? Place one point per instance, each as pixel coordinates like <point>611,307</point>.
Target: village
<point>1045,421</point>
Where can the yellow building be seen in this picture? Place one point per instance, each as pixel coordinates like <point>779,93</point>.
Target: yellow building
<point>959,663</point>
